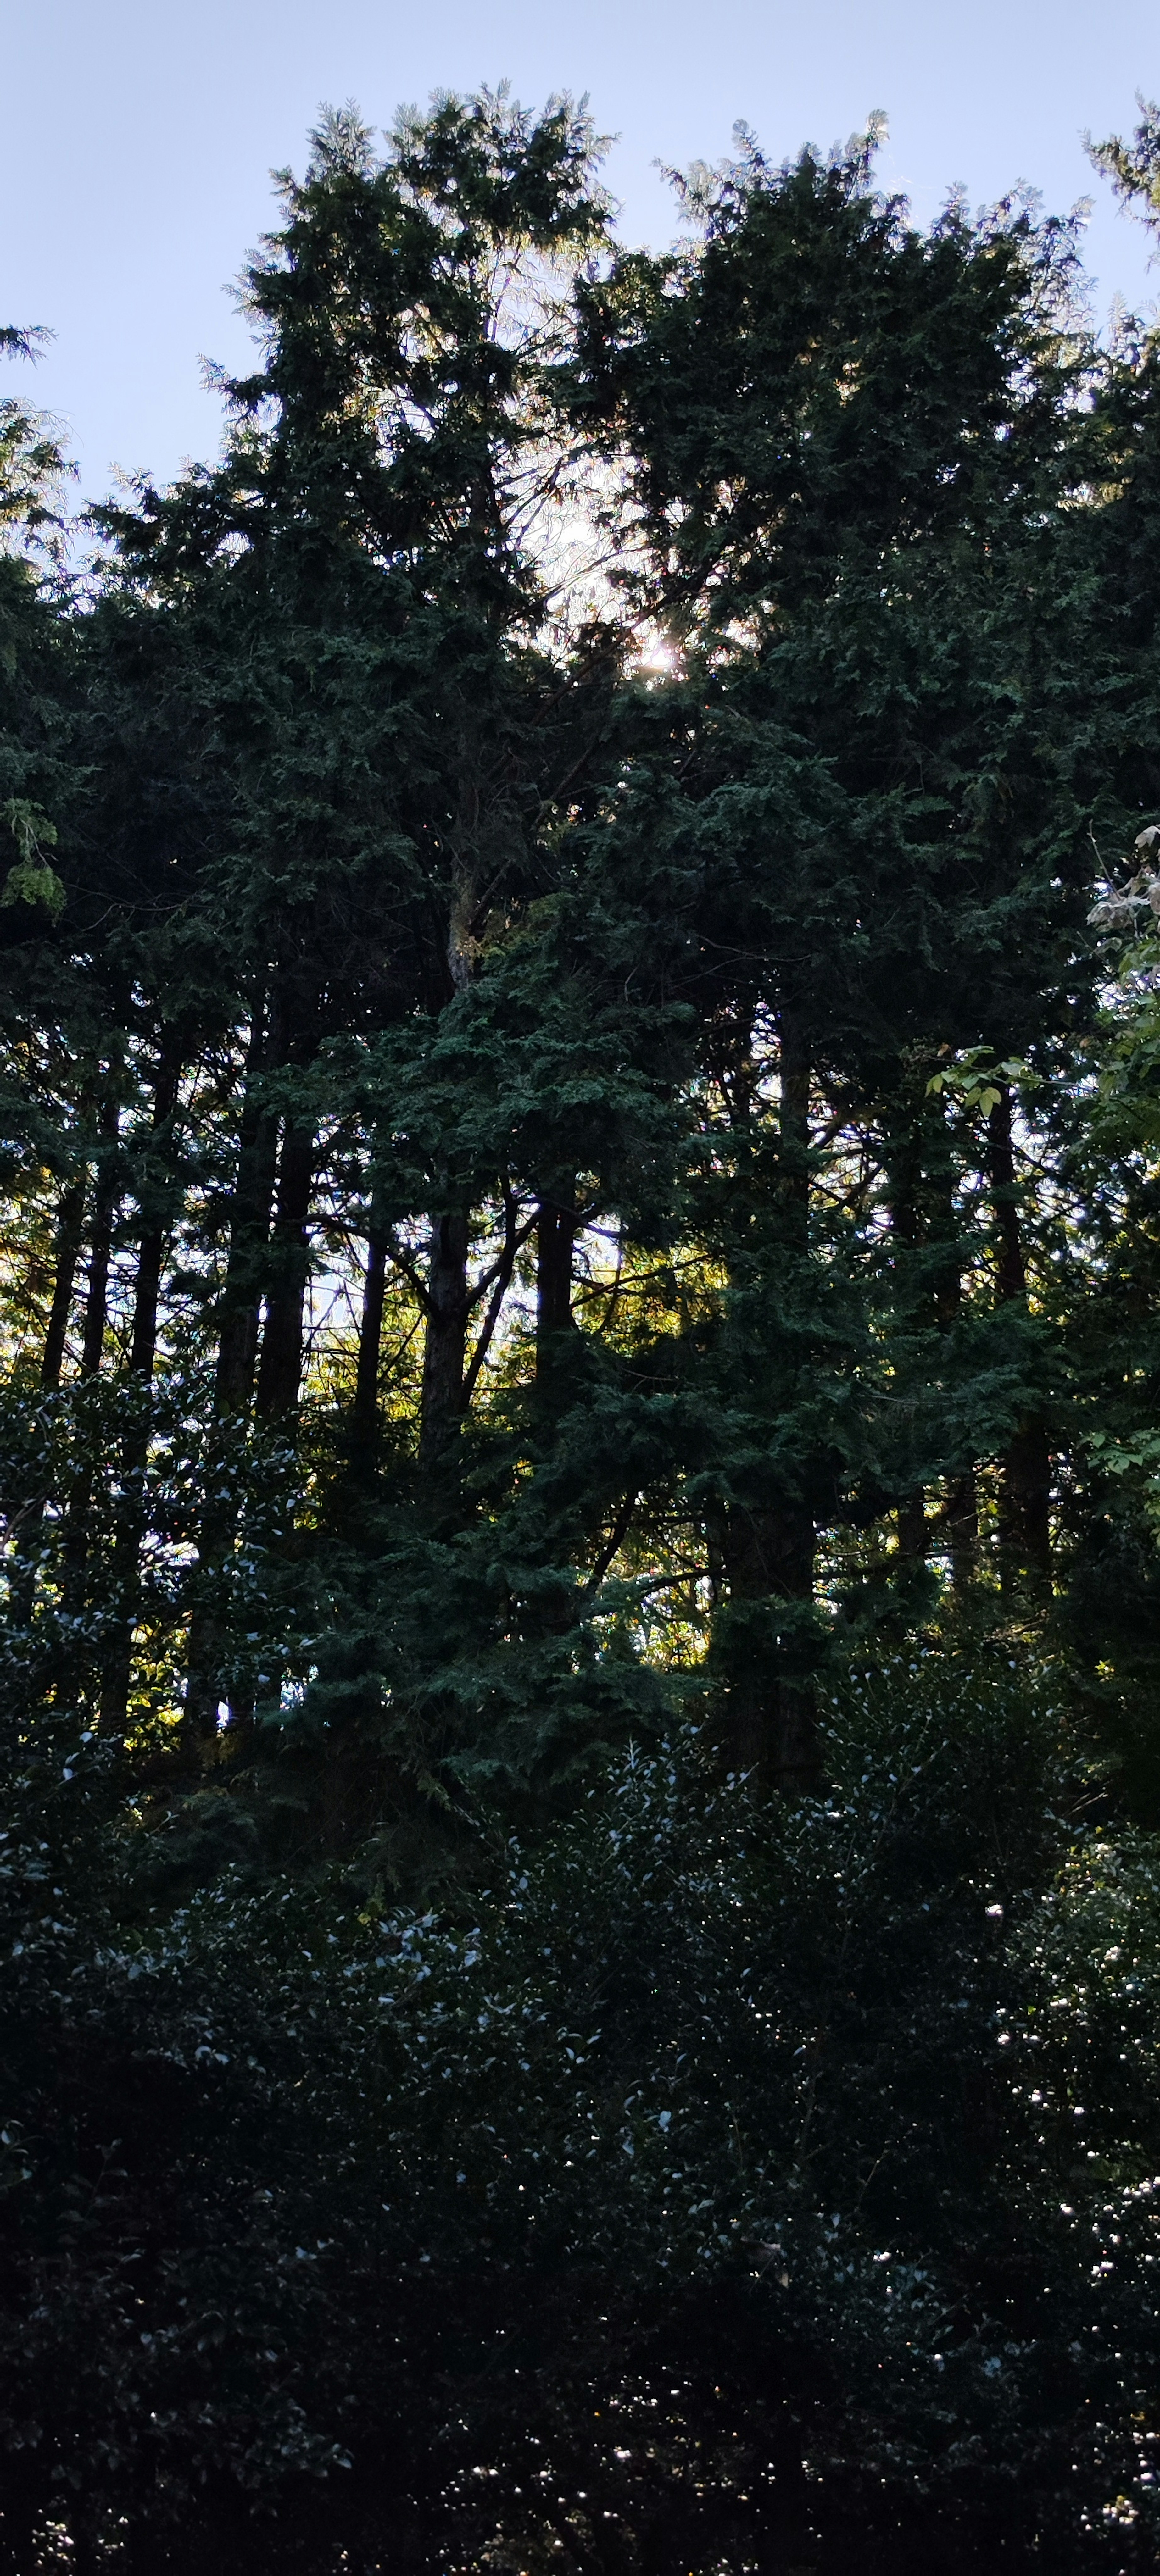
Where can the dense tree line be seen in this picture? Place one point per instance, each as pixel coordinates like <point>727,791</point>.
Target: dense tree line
<point>579,1294</point>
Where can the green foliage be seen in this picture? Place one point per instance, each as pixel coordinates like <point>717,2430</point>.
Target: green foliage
<point>728,2180</point>
<point>579,1256</point>
<point>31,880</point>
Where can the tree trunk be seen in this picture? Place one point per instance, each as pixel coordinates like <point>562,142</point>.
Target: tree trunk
<point>923,1226</point>
<point>555,1238</point>
<point>911,1300</point>
<point>445,1345</point>
<point>69,1229</point>
<point>767,1559</point>
<point>280,1366</point>
<point>794,1127</point>
<point>106,1196</point>
<point>237,1353</point>
<point>27,1516</point>
<point>105,1201</point>
<point>962,1522</point>
<point>795,1758</point>
<point>1025,1487</point>
<point>249,1229</point>
<point>766,1551</point>
<point>961,1507</point>
<point>156,1207</point>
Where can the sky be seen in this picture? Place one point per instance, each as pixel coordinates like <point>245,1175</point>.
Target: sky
<point>139,136</point>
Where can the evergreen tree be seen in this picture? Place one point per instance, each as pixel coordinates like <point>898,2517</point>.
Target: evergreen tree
<point>578,938</point>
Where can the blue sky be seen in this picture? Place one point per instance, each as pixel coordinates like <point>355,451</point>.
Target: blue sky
<point>139,135</point>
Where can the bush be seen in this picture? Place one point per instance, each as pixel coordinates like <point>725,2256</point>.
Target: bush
<point>737,2185</point>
